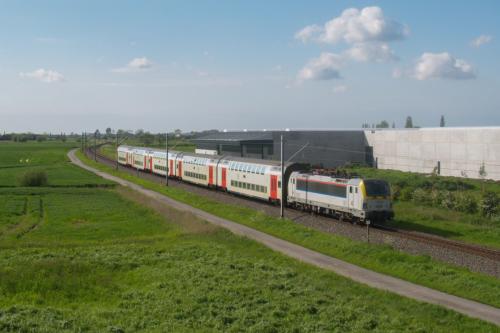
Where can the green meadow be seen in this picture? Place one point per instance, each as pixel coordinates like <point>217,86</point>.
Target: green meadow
<point>419,269</point>
<point>82,255</point>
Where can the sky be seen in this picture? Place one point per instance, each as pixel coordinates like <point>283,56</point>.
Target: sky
<point>161,65</point>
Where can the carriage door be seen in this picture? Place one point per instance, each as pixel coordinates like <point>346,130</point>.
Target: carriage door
<point>353,196</point>
<point>210,175</point>
<point>179,169</point>
<point>151,164</point>
<point>223,178</point>
<point>274,187</point>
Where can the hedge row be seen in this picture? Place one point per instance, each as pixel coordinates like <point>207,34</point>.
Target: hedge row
<point>487,204</point>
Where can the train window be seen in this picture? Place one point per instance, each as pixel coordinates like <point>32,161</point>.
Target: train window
<point>350,189</point>
<point>253,187</point>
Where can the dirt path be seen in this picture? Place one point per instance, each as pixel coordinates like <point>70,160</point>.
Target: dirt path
<point>356,273</point>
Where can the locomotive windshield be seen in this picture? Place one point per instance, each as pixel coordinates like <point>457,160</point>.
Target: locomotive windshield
<point>375,188</point>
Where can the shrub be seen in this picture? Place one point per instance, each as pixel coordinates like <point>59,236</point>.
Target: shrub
<point>396,192</point>
<point>33,178</point>
<point>489,204</point>
<point>405,194</point>
<point>447,200</point>
<point>465,203</point>
<point>420,196</point>
<point>436,197</point>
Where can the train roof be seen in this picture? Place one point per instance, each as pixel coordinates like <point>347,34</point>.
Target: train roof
<point>226,158</point>
<point>328,178</point>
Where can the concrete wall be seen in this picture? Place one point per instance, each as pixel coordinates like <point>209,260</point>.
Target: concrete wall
<point>461,151</point>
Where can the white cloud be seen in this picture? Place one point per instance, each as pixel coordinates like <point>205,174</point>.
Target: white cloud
<point>325,67</point>
<point>339,89</point>
<point>364,52</point>
<point>44,75</point>
<point>135,65</point>
<point>481,40</point>
<point>308,33</point>
<point>355,26</point>
<point>442,65</point>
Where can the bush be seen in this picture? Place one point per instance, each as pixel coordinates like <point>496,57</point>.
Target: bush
<point>33,178</point>
<point>489,204</point>
<point>447,200</point>
<point>405,194</point>
<point>465,203</point>
<point>420,196</point>
<point>396,192</point>
<point>436,197</point>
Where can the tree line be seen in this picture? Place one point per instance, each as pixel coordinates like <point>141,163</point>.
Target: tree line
<point>408,124</point>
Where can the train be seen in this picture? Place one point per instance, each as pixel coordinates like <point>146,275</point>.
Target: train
<point>354,199</point>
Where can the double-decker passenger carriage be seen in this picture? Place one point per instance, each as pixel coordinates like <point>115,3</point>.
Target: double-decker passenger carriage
<point>357,199</point>
<point>255,178</point>
<point>195,169</point>
<point>141,159</point>
<point>125,155</point>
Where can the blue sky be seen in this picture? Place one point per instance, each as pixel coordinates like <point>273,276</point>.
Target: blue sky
<point>156,65</point>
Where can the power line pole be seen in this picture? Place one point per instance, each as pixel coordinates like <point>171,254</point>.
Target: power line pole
<point>95,146</point>
<point>117,150</point>
<point>282,210</point>
<point>166,158</point>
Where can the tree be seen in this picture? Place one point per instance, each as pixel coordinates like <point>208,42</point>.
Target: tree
<point>441,122</point>
<point>409,122</point>
<point>393,125</point>
<point>108,131</point>
<point>383,124</point>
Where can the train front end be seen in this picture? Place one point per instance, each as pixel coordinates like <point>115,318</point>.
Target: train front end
<point>377,200</point>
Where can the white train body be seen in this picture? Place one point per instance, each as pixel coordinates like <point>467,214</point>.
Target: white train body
<point>354,198</point>
<point>261,179</point>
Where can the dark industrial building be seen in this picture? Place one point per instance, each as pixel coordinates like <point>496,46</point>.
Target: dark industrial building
<point>325,149</point>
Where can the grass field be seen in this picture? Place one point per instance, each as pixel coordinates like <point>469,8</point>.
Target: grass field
<point>419,269</point>
<point>18,158</point>
<point>448,223</point>
<point>96,259</point>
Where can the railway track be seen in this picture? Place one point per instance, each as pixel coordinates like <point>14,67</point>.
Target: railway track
<point>443,242</point>
<point>419,237</point>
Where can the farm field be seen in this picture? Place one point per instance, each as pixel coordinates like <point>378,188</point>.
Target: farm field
<point>418,269</point>
<point>86,256</point>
